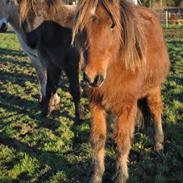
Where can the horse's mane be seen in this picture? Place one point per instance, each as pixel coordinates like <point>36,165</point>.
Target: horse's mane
<point>129,28</point>
<point>25,6</point>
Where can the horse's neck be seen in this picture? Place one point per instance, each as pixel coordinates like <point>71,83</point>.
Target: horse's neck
<point>18,30</point>
<point>14,21</point>
<point>65,16</point>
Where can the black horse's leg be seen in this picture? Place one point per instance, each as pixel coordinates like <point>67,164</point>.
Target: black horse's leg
<point>51,100</point>
<point>72,72</point>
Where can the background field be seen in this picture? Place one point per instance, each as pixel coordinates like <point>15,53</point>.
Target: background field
<point>36,149</point>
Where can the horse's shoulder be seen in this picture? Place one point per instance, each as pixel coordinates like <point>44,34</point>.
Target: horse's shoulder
<point>146,14</point>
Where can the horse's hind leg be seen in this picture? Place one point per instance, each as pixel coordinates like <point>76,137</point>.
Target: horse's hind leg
<point>51,100</point>
<point>123,136</point>
<point>154,102</point>
<point>97,139</point>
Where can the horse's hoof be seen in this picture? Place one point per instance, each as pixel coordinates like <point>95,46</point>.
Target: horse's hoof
<point>77,119</point>
<point>120,177</point>
<point>95,180</point>
<point>45,112</point>
<point>159,147</point>
<point>40,101</point>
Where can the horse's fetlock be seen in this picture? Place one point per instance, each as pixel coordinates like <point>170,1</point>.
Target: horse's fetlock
<point>121,175</point>
<point>96,178</point>
<point>98,141</point>
<point>159,147</point>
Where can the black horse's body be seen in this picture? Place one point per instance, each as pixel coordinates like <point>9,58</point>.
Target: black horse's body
<point>53,43</point>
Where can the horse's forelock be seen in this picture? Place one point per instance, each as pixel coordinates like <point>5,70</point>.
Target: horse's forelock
<point>87,8</point>
<point>128,29</point>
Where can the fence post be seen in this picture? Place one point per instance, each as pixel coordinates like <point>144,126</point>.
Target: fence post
<point>166,17</point>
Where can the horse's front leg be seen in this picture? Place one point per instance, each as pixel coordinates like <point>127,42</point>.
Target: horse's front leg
<point>72,72</point>
<point>51,100</point>
<point>123,135</point>
<point>42,77</point>
<point>97,139</point>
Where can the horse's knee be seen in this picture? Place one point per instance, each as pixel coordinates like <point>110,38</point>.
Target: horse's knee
<point>97,141</point>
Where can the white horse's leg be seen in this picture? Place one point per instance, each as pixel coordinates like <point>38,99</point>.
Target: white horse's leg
<point>42,76</point>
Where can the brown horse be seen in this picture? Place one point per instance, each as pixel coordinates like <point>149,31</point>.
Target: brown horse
<point>125,60</point>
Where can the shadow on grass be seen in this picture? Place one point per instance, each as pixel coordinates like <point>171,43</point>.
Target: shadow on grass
<point>16,78</point>
<point>17,105</point>
<point>11,56</point>
<point>148,166</point>
<point>12,53</point>
<point>56,162</point>
<point>145,165</point>
<point>27,107</point>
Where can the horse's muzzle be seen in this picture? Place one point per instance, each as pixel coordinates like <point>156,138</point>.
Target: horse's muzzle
<point>3,27</point>
<point>95,82</point>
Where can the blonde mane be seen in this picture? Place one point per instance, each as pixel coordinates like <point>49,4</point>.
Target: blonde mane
<point>129,29</point>
<point>48,10</point>
<point>50,7</point>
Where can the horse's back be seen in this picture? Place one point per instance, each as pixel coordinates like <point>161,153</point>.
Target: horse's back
<point>156,54</point>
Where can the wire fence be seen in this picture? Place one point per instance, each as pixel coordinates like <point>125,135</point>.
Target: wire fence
<point>171,16</point>
<point>168,16</point>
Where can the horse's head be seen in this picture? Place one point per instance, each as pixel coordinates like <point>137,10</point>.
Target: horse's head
<point>7,8</point>
<point>97,30</point>
<point>107,31</point>
<point>34,12</point>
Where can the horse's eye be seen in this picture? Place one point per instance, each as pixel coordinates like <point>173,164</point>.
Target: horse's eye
<point>7,1</point>
<point>112,26</point>
<point>95,19</point>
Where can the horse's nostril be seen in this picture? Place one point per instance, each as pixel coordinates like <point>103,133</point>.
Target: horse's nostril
<point>98,80</point>
<point>86,78</point>
<point>3,25</point>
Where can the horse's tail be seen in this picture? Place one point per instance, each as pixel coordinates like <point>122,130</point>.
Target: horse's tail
<point>143,113</point>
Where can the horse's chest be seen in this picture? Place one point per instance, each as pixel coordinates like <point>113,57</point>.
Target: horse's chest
<point>111,102</point>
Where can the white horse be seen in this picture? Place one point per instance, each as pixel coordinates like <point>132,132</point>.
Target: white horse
<point>3,25</point>
<point>9,13</point>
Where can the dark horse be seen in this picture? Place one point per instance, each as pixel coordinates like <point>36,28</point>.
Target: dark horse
<point>125,60</point>
<point>48,27</point>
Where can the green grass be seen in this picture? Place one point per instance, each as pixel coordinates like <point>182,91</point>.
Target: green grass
<point>36,149</point>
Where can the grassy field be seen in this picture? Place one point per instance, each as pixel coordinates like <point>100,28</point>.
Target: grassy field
<point>36,149</point>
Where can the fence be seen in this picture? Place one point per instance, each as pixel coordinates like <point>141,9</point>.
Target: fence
<point>171,16</point>
<point>168,16</point>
